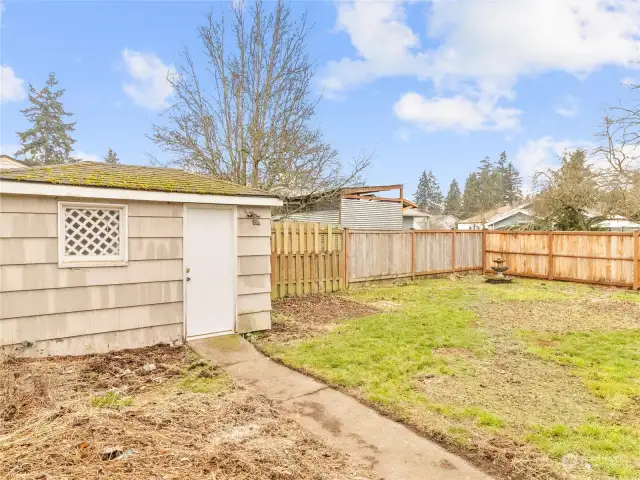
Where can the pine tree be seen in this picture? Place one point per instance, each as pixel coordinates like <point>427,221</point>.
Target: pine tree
<point>420,198</point>
<point>512,185</point>
<point>472,196</point>
<point>47,141</point>
<point>111,157</point>
<point>453,202</point>
<point>489,185</point>
<point>434,194</point>
<point>429,196</point>
<point>500,175</point>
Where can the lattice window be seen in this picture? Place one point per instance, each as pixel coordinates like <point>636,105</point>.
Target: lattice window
<point>92,233</point>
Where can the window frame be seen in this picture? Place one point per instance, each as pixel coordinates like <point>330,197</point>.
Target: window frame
<point>76,261</point>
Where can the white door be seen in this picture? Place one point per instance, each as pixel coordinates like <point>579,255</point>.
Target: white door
<point>210,271</point>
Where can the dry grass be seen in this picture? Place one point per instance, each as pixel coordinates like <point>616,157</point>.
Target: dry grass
<point>595,313</point>
<point>182,418</point>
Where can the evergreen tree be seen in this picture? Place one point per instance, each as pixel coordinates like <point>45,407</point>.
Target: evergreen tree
<point>429,196</point>
<point>512,185</point>
<point>500,174</point>
<point>472,196</point>
<point>489,181</point>
<point>420,197</point>
<point>47,141</point>
<point>453,202</point>
<point>507,181</point>
<point>111,157</point>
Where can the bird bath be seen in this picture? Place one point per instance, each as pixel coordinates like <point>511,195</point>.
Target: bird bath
<point>499,269</point>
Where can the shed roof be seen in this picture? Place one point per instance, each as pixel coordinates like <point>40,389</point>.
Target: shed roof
<point>130,177</point>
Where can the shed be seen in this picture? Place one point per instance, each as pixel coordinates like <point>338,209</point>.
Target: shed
<point>96,257</point>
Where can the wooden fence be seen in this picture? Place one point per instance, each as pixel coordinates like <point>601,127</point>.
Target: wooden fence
<point>306,258</point>
<point>381,254</point>
<point>313,258</point>
<point>605,258</point>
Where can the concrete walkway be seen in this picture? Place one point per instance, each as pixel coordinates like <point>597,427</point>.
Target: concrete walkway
<point>393,451</point>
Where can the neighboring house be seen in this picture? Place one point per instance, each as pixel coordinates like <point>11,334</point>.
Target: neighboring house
<point>96,257</point>
<point>618,224</point>
<point>9,163</point>
<point>353,207</point>
<point>499,218</point>
<point>414,219</point>
<point>444,222</point>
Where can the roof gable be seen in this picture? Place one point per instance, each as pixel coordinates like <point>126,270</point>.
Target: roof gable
<point>130,177</point>
<point>497,214</point>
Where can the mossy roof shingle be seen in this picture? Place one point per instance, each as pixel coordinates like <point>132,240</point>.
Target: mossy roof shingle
<point>130,177</point>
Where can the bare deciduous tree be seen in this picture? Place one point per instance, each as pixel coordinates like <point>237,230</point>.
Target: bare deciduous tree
<point>619,152</point>
<point>246,116</point>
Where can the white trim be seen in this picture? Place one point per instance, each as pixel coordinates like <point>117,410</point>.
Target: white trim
<point>184,275</point>
<point>209,335</point>
<point>70,261</point>
<point>51,190</point>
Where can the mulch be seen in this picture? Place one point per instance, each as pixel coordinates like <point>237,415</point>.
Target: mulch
<point>49,430</point>
<point>304,317</point>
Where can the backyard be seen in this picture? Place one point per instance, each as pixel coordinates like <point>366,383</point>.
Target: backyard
<point>158,413</point>
<point>531,380</point>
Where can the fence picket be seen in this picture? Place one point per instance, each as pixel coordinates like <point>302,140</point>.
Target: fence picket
<point>310,258</point>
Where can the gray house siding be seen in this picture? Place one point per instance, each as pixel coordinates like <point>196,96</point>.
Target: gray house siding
<point>371,214</point>
<point>327,217</point>
<point>517,219</point>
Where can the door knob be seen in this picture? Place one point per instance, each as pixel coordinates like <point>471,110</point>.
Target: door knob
<point>188,279</point>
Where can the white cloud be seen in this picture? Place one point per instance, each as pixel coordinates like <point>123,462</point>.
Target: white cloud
<point>11,87</point>
<point>541,154</point>
<point>483,46</point>
<point>148,86</point>
<point>568,107</point>
<point>454,113</point>
<point>503,39</point>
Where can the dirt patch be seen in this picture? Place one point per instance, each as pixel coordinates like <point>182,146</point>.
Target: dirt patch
<point>591,314</point>
<point>454,351</point>
<point>305,317</point>
<point>184,419</point>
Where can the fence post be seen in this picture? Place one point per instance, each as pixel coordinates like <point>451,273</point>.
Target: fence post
<point>453,251</point>
<point>484,251</point>
<point>636,260</point>
<point>345,246</point>
<point>413,255</point>
<point>550,250</point>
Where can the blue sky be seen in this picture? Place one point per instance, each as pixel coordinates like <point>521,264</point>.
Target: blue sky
<point>434,84</point>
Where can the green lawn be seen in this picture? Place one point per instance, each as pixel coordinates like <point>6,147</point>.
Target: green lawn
<point>533,380</point>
